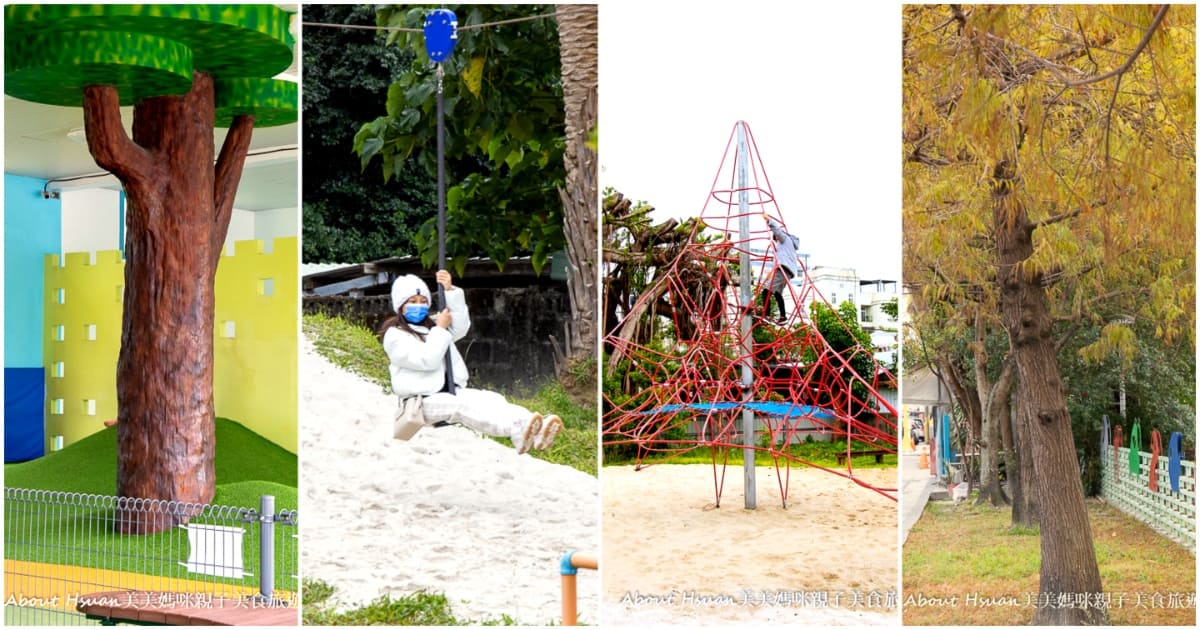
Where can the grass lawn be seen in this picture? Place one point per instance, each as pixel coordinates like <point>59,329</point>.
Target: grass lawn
<point>417,609</point>
<point>23,616</point>
<point>81,534</point>
<point>956,551</point>
<point>357,350</point>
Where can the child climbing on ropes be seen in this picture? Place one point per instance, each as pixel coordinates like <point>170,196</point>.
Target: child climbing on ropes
<point>416,342</point>
<point>786,266</point>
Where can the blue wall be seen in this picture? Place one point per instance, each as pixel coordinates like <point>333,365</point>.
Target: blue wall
<point>32,229</point>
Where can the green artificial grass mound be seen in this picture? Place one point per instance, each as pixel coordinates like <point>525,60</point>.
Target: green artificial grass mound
<point>89,466</point>
<point>247,493</point>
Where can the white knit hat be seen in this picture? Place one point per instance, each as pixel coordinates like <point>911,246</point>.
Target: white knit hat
<point>405,287</point>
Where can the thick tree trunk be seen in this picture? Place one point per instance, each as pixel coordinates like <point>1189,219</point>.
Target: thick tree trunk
<point>577,32</point>
<point>179,207</point>
<point>1069,568</point>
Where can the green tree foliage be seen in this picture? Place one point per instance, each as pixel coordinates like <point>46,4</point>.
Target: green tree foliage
<point>1159,385</point>
<point>503,111</point>
<point>892,308</point>
<point>842,332</point>
<point>350,216</point>
<point>845,336</point>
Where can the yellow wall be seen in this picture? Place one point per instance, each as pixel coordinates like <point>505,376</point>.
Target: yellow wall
<point>255,376</point>
<point>79,295</point>
<point>255,370</point>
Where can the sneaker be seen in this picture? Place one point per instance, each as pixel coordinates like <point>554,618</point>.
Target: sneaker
<point>527,435</point>
<point>551,426</point>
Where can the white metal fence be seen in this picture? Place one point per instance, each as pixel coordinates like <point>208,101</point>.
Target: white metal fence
<point>60,547</point>
<point>1172,514</point>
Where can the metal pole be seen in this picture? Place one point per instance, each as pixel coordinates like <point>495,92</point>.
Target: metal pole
<point>441,190</point>
<point>748,420</point>
<point>569,566</point>
<point>266,547</point>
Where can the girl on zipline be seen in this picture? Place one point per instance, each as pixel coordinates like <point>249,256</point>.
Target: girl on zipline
<point>416,343</point>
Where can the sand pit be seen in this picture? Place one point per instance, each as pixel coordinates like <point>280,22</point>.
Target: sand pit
<point>671,557</point>
<point>448,512</point>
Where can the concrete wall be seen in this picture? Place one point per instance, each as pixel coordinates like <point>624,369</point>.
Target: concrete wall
<point>241,228</point>
<point>273,224</point>
<point>508,346</point>
<point>91,220</point>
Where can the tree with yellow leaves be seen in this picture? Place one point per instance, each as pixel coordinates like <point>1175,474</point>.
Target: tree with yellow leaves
<point>1049,184</point>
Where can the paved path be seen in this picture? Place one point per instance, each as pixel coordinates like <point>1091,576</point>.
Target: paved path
<point>915,486</point>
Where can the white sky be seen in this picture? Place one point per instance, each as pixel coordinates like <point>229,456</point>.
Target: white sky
<point>818,85</point>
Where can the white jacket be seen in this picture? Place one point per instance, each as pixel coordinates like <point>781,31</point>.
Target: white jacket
<point>419,367</point>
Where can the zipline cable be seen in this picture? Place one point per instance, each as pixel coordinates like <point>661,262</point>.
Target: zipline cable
<point>405,29</point>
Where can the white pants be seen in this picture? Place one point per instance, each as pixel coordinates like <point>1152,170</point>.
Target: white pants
<point>483,411</point>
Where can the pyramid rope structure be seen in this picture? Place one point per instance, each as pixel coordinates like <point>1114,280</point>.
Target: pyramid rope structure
<point>698,355</point>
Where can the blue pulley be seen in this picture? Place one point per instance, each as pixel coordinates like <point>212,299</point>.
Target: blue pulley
<point>441,33</point>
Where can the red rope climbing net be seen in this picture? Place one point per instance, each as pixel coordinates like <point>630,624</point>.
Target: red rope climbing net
<point>695,354</point>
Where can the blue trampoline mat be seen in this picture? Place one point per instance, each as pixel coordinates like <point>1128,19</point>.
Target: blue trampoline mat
<point>778,409</point>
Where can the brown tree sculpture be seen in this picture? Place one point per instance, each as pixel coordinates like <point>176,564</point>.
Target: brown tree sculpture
<point>186,69</point>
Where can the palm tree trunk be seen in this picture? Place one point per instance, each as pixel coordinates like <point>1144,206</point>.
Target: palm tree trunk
<point>577,32</point>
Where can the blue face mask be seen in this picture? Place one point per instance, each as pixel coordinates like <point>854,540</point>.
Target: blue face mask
<point>416,313</point>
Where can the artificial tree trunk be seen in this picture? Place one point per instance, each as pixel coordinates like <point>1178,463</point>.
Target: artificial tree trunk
<point>1068,567</point>
<point>577,31</point>
<point>178,211</point>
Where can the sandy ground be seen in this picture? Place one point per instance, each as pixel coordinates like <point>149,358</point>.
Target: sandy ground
<point>448,511</point>
<point>670,556</point>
